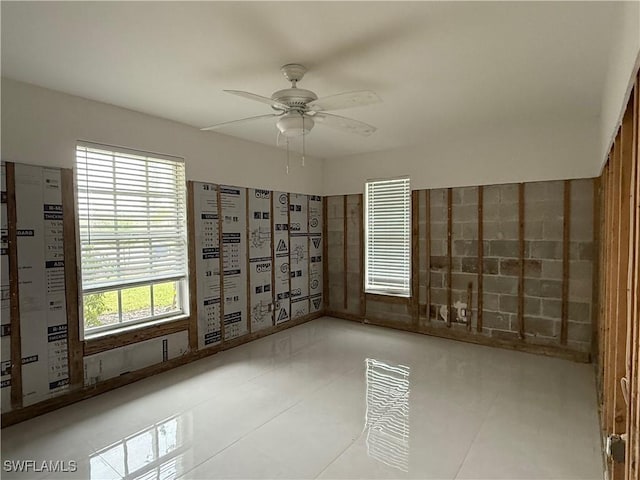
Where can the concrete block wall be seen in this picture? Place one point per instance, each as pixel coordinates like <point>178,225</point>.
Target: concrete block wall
<point>341,280</point>
<point>501,260</point>
<point>542,283</point>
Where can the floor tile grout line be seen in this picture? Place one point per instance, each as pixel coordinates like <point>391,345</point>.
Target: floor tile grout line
<point>342,452</point>
<point>475,437</point>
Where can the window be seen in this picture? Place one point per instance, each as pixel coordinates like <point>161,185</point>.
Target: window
<point>388,237</point>
<point>131,210</point>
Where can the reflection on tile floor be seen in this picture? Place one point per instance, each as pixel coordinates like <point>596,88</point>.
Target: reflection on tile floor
<point>331,399</point>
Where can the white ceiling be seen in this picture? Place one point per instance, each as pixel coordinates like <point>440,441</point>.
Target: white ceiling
<point>438,66</point>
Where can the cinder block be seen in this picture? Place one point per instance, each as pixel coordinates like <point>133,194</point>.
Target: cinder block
<point>437,280</point>
<point>460,281</point>
<point>491,212</point>
<point>545,249</point>
<point>550,288</point>
<point>336,265</point>
<point>540,326</point>
<point>438,197</point>
<point>586,251</point>
<point>470,264</point>
<point>465,248</point>
<point>456,196</point>
<point>499,230</point>
<point>582,189</point>
<point>581,221</point>
<point>438,247</point>
<point>439,262</point>
<point>353,261</point>
<point>504,248</point>
<point>495,320</point>
<point>456,264</point>
<point>580,312</point>
<point>580,332</point>
<point>553,230</point>
<point>470,231</point>
<point>509,211</point>
<point>532,306</point>
<point>580,290</point>
<point>353,201</point>
<point>580,269</point>
<point>532,287</point>
<point>533,210</point>
<point>509,193</point>
<point>335,207</point>
<point>438,230</point>
<point>552,269</point>
<point>491,301</point>
<point>511,266</point>
<point>335,242</point>
<point>491,194</point>
<point>533,230</point>
<point>335,225</point>
<point>551,308</point>
<point>465,213</point>
<point>491,266</point>
<point>535,191</point>
<point>336,296</point>
<point>499,284</point>
<point>502,335</point>
<point>353,236</point>
<point>509,303</point>
<point>555,190</point>
<point>438,296</point>
<point>470,195</point>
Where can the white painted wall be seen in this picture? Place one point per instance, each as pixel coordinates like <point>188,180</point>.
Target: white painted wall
<point>488,154</point>
<point>41,127</point>
<point>623,63</point>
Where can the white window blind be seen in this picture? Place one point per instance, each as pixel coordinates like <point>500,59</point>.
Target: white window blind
<point>388,237</point>
<point>131,210</point>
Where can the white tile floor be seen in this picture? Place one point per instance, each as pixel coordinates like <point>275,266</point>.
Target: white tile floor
<point>332,399</point>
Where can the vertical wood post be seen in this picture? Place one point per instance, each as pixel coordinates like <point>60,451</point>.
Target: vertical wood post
<point>566,236</point>
<point>415,258</point>
<point>325,254</point>
<point>521,261</point>
<point>449,236</point>
<point>191,252</point>
<point>480,257</point>
<point>74,345</point>
<point>16,344</point>
<point>345,266</point>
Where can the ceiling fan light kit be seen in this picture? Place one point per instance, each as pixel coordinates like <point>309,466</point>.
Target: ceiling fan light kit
<point>294,124</point>
<point>298,110</point>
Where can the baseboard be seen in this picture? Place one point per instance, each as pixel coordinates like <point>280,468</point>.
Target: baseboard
<point>478,339</point>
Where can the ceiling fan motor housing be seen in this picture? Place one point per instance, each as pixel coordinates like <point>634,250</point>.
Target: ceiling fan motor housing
<point>294,97</point>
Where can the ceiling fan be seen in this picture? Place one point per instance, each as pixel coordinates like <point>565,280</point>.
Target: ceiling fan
<point>298,110</point>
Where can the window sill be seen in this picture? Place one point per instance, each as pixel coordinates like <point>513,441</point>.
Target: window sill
<point>387,297</point>
<point>138,332</point>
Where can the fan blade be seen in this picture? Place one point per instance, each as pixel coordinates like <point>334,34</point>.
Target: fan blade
<point>257,98</point>
<point>344,100</point>
<point>242,120</point>
<point>346,124</point>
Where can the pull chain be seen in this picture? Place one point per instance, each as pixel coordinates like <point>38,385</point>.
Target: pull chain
<point>303,135</point>
<point>287,155</point>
